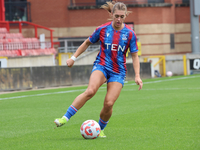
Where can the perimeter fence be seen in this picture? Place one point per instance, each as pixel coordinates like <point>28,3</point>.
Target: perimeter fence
<point>12,79</point>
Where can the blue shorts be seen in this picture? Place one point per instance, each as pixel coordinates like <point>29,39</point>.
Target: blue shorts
<point>110,76</point>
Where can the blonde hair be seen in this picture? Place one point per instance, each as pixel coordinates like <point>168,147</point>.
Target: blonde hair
<point>112,6</point>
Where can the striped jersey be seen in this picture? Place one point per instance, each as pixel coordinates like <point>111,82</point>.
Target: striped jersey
<point>113,46</point>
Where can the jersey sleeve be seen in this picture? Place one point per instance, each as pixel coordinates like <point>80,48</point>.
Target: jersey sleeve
<point>133,44</point>
<point>95,36</point>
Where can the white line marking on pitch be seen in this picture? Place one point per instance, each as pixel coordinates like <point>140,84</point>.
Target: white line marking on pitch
<point>158,81</point>
<point>162,89</point>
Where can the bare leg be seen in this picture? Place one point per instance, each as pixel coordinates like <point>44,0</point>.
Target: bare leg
<point>113,92</point>
<point>97,78</point>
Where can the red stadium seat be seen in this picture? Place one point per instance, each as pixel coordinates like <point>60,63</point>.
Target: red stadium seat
<point>14,44</point>
<point>1,46</point>
<point>2,36</point>
<point>3,30</point>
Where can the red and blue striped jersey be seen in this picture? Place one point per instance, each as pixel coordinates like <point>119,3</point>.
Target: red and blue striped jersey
<point>113,46</point>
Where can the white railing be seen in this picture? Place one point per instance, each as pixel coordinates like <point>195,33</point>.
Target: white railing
<point>72,49</point>
<point>65,48</point>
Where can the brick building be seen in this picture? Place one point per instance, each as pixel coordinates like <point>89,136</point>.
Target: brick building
<point>163,26</point>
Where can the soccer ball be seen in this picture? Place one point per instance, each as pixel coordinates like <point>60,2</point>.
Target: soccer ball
<point>90,129</point>
<point>169,73</point>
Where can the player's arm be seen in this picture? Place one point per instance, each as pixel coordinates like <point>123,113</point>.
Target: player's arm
<point>79,51</point>
<point>136,66</point>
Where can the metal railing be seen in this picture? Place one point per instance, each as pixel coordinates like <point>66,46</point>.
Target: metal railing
<point>24,45</point>
<point>101,2</point>
<point>72,49</point>
<point>21,24</point>
<point>66,48</point>
<point>127,2</point>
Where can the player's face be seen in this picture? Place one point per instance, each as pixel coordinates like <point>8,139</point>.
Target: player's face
<point>118,19</point>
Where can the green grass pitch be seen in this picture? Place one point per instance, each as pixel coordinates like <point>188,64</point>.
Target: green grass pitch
<point>164,115</point>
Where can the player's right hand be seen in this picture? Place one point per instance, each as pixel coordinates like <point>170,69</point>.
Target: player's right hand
<point>139,82</point>
<point>70,62</point>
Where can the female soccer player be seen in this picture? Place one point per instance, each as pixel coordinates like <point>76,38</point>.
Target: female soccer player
<point>110,64</point>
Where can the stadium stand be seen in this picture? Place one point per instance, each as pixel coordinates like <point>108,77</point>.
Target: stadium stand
<point>14,44</point>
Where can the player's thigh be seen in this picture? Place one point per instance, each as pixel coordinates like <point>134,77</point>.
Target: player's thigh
<point>97,78</point>
<point>113,92</point>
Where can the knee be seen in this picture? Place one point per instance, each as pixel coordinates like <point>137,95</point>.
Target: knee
<point>90,92</point>
<point>108,105</point>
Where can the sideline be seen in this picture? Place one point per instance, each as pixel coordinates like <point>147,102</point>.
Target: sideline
<point>70,91</point>
<point>158,81</point>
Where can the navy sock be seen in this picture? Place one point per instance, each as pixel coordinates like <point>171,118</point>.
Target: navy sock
<point>70,112</point>
<point>102,123</point>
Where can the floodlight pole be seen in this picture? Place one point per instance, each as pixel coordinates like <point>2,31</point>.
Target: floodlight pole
<point>194,19</point>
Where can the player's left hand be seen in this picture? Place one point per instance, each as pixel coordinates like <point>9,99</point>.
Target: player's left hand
<point>70,63</point>
<point>138,81</point>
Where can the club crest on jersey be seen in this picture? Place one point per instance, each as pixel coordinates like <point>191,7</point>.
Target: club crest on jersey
<point>108,34</point>
<point>124,37</point>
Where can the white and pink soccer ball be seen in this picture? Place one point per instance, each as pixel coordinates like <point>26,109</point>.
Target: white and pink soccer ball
<point>90,129</point>
<point>169,73</point>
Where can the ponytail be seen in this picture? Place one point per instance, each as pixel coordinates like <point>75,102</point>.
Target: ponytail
<point>108,6</point>
<point>112,6</point>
